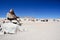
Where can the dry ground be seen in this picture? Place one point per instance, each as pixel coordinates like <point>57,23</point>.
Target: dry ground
<point>36,31</point>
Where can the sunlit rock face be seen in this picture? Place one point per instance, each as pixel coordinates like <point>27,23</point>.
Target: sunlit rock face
<point>10,28</point>
<point>11,14</point>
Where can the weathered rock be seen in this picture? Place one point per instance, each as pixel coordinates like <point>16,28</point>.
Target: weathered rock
<point>11,28</point>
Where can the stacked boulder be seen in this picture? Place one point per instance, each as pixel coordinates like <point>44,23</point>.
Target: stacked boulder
<point>11,24</point>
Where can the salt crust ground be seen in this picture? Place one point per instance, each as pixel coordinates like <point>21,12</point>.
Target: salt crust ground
<point>36,31</point>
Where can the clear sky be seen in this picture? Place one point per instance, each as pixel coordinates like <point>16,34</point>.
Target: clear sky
<point>33,8</point>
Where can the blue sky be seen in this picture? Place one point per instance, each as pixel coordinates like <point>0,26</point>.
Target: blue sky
<point>33,8</point>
